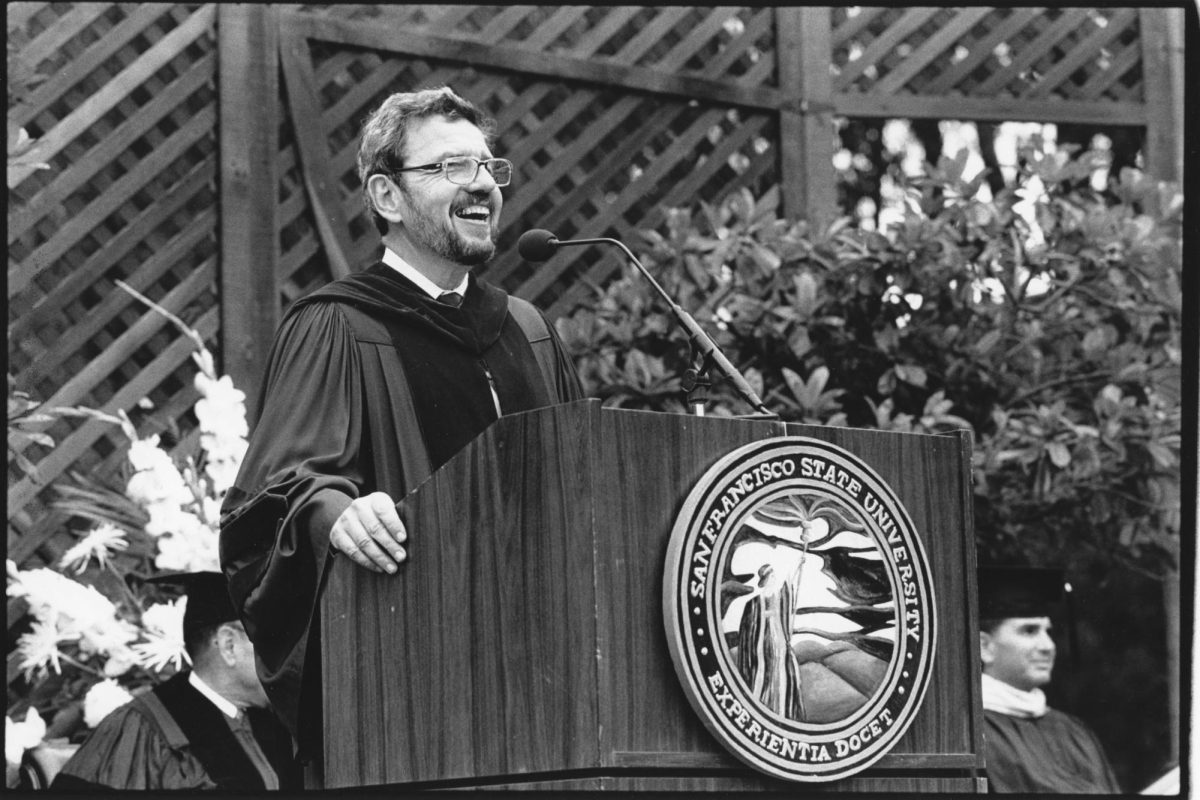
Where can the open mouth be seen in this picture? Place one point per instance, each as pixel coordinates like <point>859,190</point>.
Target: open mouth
<point>474,213</point>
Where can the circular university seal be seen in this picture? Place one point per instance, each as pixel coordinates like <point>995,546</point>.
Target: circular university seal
<point>799,609</point>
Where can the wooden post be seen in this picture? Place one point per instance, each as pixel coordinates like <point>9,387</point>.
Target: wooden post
<point>248,84</point>
<point>1162,70</point>
<point>807,178</point>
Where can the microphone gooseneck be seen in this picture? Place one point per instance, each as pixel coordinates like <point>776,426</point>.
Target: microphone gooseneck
<point>540,245</point>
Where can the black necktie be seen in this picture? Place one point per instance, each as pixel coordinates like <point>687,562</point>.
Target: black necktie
<point>452,299</point>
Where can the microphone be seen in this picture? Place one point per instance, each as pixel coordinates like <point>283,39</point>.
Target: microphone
<point>539,245</point>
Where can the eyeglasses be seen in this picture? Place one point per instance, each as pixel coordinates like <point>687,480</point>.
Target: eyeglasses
<point>462,170</point>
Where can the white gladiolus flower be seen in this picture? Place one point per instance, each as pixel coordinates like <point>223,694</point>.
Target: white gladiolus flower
<point>212,512</point>
<point>204,360</point>
<point>222,407</point>
<point>99,543</point>
<point>22,736</point>
<point>167,519</point>
<point>223,429</point>
<point>145,453</point>
<point>159,482</point>
<point>222,469</point>
<point>75,626</point>
<point>190,545</point>
<point>189,550</point>
<point>223,447</point>
<point>102,699</point>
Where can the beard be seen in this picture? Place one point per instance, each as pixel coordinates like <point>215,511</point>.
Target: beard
<point>439,234</point>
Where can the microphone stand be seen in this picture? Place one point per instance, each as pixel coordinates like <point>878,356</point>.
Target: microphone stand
<point>695,382</point>
<point>705,353</point>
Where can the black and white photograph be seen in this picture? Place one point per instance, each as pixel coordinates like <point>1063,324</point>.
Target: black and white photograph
<point>610,400</point>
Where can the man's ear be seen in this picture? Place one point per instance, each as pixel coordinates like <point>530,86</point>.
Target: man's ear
<point>386,198</point>
<point>227,643</point>
<point>987,648</point>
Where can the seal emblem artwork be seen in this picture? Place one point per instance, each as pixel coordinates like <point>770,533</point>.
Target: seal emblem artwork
<point>799,609</point>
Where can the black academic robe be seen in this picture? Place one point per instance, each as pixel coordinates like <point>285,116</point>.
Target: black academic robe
<point>130,749</point>
<point>370,386</point>
<point>1052,754</point>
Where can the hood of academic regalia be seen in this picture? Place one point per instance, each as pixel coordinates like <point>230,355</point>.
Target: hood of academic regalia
<point>390,297</point>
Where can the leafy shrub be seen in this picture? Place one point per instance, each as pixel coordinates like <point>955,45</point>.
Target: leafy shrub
<point>1046,322</point>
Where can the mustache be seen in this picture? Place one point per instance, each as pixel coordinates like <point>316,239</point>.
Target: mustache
<point>474,199</point>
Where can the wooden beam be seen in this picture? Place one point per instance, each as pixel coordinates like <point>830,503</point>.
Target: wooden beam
<point>116,90</point>
<point>80,385</point>
<point>114,196</point>
<point>981,50</point>
<point>249,138</point>
<point>18,14</point>
<point>887,40</point>
<point>807,178</point>
<point>76,337</point>
<point>1000,109</point>
<point>1081,53</point>
<point>852,25</point>
<point>68,450</point>
<point>931,49</point>
<point>50,41</point>
<point>1125,59</point>
<point>111,147</point>
<point>548,65</point>
<point>1047,39</point>
<point>612,213</point>
<point>304,108</point>
<point>86,62</point>
<point>1162,80</point>
<point>114,251</point>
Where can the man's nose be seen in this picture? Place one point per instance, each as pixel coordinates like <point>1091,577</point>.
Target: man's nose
<point>483,181</point>
<point>1045,642</point>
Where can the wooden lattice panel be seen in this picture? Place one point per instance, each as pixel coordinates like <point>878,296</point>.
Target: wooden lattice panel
<point>1078,54</point>
<point>126,120</point>
<point>595,157</point>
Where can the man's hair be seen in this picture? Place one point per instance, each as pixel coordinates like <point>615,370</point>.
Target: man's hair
<point>199,641</point>
<point>989,625</point>
<point>385,132</point>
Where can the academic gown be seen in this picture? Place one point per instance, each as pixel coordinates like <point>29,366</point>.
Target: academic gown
<point>130,750</point>
<point>1055,753</point>
<point>370,386</point>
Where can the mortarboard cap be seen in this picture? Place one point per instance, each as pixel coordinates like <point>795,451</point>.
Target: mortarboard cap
<point>208,602</point>
<point>1006,592</point>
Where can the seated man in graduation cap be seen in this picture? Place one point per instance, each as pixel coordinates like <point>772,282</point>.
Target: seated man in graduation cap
<point>205,728</point>
<point>1029,746</point>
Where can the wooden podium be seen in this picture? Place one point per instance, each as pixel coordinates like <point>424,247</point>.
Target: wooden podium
<point>522,643</point>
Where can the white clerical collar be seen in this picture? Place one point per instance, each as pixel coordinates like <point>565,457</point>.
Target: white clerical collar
<point>1006,699</point>
<point>413,274</point>
<point>228,708</point>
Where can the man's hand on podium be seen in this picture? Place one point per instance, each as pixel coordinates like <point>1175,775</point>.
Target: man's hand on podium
<point>371,533</point>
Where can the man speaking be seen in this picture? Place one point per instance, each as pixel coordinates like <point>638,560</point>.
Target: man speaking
<point>376,380</point>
